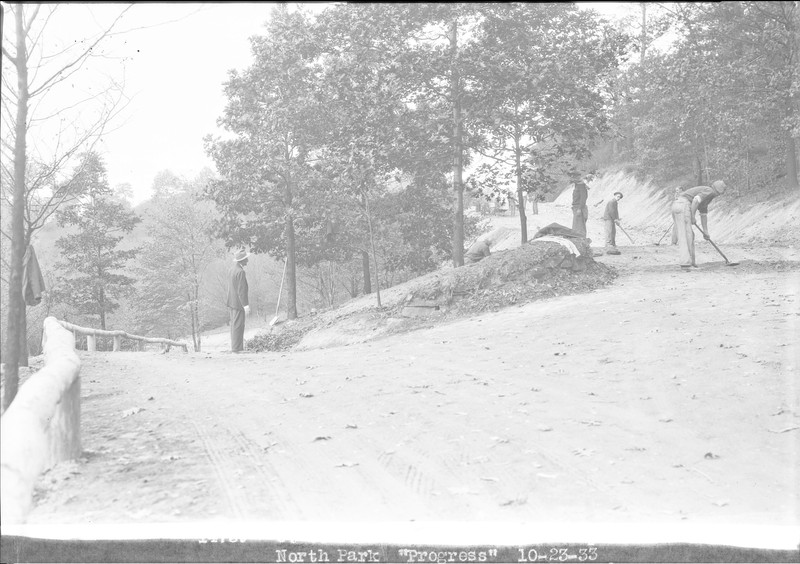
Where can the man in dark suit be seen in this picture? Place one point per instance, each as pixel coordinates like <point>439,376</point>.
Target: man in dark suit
<point>580,211</point>
<point>238,304</point>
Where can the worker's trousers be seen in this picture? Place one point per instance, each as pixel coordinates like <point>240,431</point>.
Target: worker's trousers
<point>611,234</point>
<point>237,329</point>
<point>579,215</point>
<point>682,216</point>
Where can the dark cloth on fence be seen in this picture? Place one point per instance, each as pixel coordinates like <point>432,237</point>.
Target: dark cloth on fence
<point>32,280</point>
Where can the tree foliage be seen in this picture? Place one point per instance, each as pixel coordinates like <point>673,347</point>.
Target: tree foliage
<point>173,264</point>
<point>90,258</point>
<point>273,114</point>
<point>542,75</point>
<point>724,99</point>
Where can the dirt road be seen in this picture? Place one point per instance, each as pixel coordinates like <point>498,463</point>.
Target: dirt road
<point>671,396</point>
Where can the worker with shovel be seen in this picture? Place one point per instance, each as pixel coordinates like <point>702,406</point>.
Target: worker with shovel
<point>684,212</point>
<point>611,220</point>
<point>237,300</point>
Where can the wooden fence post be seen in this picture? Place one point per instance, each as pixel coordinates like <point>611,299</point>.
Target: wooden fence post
<point>117,343</point>
<point>91,343</point>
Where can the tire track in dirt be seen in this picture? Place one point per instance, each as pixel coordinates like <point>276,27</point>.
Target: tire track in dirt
<point>223,469</point>
<point>249,482</point>
<point>277,491</point>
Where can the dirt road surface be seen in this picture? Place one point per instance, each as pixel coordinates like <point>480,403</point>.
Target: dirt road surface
<point>668,397</point>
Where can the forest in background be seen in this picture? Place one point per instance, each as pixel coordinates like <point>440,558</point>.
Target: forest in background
<point>361,141</point>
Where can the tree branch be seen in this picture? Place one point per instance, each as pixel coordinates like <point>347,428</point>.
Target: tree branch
<point>75,64</point>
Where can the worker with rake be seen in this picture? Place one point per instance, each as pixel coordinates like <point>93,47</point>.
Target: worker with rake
<point>684,213</point>
<point>611,220</point>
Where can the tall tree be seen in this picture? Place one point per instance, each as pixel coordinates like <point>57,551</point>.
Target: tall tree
<point>90,257</point>
<point>440,68</point>
<point>33,99</point>
<point>273,114</point>
<point>173,264</point>
<point>543,77</point>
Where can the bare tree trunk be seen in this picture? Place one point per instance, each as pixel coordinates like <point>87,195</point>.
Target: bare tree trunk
<point>291,263</point>
<point>15,299</point>
<point>698,170</point>
<point>523,221</point>
<point>102,305</point>
<point>23,334</point>
<point>458,151</point>
<point>374,255</point>
<point>366,271</point>
<point>365,255</point>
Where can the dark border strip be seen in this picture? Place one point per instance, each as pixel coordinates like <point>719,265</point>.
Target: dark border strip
<point>17,549</point>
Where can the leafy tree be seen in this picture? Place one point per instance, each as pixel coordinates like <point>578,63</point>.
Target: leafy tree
<point>173,265</point>
<point>723,100</point>
<point>90,258</point>
<point>273,114</point>
<point>542,76</point>
<point>439,67</point>
<point>364,80</point>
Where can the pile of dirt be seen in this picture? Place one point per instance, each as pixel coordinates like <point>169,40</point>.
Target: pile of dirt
<point>536,270</point>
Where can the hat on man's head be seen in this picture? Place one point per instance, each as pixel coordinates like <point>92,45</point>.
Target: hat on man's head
<point>240,255</point>
<point>719,186</point>
<point>620,194</point>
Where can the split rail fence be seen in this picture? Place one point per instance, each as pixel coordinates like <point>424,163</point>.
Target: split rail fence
<point>92,334</point>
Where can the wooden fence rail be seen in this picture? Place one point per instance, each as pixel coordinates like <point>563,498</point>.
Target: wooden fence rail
<point>92,334</point>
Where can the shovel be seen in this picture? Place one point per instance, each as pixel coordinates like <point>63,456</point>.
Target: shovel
<point>626,234</point>
<point>664,235</point>
<point>280,292</point>
<point>727,262</point>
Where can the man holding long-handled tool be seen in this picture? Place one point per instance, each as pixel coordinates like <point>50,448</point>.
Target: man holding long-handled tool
<point>611,220</point>
<point>684,211</point>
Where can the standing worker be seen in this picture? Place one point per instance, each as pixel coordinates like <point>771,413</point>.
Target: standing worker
<point>675,196</point>
<point>611,220</point>
<point>684,210</point>
<point>580,211</point>
<point>238,304</point>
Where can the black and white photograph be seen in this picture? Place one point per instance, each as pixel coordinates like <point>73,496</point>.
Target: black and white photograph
<point>433,282</point>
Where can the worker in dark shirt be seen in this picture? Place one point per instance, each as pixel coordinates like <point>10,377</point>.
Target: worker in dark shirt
<point>580,211</point>
<point>611,220</point>
<point>684,214</point>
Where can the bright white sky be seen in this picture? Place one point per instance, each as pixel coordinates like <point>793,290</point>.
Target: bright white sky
<point>174,62</point>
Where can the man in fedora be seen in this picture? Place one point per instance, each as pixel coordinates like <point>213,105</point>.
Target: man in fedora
<point>238,304</point>
<point>684,213</point>
<point>611,220</point>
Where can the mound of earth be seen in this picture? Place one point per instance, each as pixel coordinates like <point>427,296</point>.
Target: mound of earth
<point>536,270</point>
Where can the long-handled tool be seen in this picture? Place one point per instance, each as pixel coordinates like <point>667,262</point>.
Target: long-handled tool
<point>727,262</point>
<point>626,234</point>
<point>665,234</point>
<point>280,293</point>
